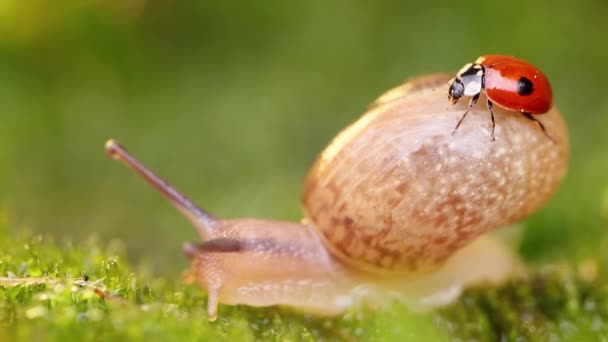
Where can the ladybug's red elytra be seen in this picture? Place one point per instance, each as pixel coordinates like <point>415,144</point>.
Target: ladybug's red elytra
<point>508,82</point>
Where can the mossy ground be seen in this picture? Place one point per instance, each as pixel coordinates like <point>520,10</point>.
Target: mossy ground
<point>232,101</point>
<point>64,291</point>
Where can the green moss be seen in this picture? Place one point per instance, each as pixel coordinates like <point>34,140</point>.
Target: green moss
<point>552,303</point>
<point>63,291</point>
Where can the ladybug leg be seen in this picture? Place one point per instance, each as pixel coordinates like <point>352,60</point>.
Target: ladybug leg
<point>530,117</point>
<point>464,115</point>
<point>490,105</point>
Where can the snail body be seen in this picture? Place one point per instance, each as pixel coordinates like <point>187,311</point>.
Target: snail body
<point>395,204</point>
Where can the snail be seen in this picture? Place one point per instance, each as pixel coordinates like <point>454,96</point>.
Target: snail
<point>396,205</point>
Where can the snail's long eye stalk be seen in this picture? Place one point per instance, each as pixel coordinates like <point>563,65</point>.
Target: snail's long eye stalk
<point>203,222</point>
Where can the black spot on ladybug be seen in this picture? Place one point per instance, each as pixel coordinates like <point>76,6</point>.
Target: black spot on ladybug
<point>524,86</point>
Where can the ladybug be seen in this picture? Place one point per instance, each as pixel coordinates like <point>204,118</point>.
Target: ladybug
<point>508,82</point>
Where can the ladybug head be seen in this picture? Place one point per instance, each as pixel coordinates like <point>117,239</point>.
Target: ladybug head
<point>468,82</point>
<point>456,90</point>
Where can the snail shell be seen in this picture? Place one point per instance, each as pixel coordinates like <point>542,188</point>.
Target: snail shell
<point>396,191</point>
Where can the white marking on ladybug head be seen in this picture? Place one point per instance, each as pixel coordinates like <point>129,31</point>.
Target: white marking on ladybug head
<point>472,86</point>
<point>470,76</point>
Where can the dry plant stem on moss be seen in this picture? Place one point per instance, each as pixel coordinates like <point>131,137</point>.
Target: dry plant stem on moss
<point>395,207</point>
<point>14,281</point>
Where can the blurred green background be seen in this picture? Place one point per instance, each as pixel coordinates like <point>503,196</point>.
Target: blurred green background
<point>231,101</point>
